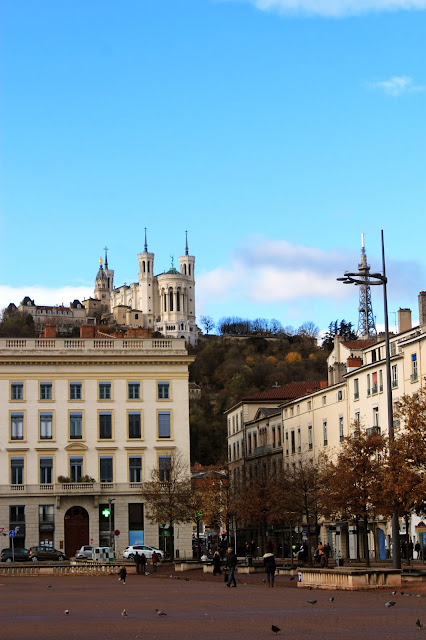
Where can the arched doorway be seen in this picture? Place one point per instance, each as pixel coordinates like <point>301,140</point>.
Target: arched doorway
<point>76,523</point>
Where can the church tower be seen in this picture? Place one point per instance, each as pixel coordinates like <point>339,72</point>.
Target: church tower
<point>187,266</point>
<point>103,286</point>
<point>145,302</point>
<point>108,272</point>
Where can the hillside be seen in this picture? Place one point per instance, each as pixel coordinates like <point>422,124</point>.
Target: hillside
<point>230,368</point>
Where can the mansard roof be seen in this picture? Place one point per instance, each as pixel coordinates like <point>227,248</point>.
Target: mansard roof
<point>286,391</point>
<point>358,345</point>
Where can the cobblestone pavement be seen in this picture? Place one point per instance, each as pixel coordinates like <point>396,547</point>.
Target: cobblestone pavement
<point>200,606</point>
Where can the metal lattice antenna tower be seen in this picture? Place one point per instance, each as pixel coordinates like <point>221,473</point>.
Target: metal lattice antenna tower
<point>366,323</point>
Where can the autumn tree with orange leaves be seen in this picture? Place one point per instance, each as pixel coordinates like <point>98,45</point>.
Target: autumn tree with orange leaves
<point>351,481</point>
<point>403,476</point>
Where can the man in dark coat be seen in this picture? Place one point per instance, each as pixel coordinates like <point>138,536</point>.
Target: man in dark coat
<point>216,564</point>
<point>143,563</point>
<point>231,563</point>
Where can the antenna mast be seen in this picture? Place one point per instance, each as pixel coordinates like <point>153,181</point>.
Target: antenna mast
<point>366,323</point>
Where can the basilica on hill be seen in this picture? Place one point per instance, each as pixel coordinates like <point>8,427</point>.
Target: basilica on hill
<point>163,302</point>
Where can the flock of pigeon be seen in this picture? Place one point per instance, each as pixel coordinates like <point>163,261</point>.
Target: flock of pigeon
<point>274,628</point>
<point>390,603</point>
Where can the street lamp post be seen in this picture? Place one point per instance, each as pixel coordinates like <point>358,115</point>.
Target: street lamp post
<point>110,501</point>
<point>381,279</point>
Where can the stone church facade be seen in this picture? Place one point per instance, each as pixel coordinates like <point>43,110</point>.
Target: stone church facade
<point>163,302</point>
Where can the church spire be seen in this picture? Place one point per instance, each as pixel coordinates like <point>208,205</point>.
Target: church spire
<point>146,244</point>
<point>186,243</point>
<point>106,257</point>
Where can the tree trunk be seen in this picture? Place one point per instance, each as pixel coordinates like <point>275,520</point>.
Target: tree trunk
<point>198,540</point>
<point>357,538</point>
<point>407,538</point>
<point>365,536</point>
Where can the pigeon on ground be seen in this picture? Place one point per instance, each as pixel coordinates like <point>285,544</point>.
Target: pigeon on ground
<point>124,613</point>
<point>402,593</point>
<point>312,601</point>
<point>48,586</point>
<point>147,573</point>
<point>160,613</point>
<point>419,624</point>
<point>331,599</point>
<point>292,577</point>
<point>263,580</point>
<point>390,604</point>
<point>276,629</point>
<point>66,612</point>
<point>393,593</point>
<point>186,579</point>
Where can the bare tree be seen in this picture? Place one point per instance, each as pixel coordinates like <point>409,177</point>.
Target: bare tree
<point>208,323</point>
<point>308,329</point>
<point>168,494</point>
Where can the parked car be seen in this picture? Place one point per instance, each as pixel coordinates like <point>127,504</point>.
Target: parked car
<point>130,552</point>
<point>19,555</point>
<point>84,552</point>
<point>46,553</point>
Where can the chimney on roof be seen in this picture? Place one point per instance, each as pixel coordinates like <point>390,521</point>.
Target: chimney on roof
<point>353,363</point>
<point>87,331</point>
<point>422,308</point>
<point>49,331</point>
<point>323,384</point>
<point>404,319</point>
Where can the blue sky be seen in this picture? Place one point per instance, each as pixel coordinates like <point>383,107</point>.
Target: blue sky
<point>274,131</point>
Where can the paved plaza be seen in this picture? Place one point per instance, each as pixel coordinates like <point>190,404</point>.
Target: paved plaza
<point>199,607</point>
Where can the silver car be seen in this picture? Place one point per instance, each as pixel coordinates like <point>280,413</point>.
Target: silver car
<point>84,552</point>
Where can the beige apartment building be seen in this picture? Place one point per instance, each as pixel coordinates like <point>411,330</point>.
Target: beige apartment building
<point>319,420</point>
<point>84,421</point>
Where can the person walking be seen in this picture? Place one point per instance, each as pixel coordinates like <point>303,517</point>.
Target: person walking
<point>231,563</point>
<point>418,549</point>
<point>154,560</point>
<point>122,574</point>
<point>253,549</point>
<point>216,564</point>
<point>137,559</point>
<point>323,559</point>
<point>143,563</point>
<point>270,568</point>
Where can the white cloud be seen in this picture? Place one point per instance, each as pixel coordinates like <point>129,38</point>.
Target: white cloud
<point>272,272</point>
<point>43,295</point>
<point>334,8</point>
<point>397,85</point>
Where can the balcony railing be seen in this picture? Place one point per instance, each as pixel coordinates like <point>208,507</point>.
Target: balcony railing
<point>371,430</point>
<point>76,488</point>
<point>374,389</point>
<point>88,345</point>
<point>414,377</point>
<point>394,384</point>
<point>264,449</point>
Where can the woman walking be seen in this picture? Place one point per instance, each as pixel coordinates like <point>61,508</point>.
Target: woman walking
<point>270,567</point>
